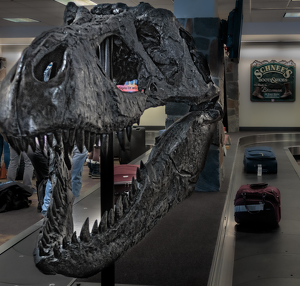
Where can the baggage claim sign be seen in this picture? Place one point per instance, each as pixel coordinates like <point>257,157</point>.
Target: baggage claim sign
<point>273,81</point>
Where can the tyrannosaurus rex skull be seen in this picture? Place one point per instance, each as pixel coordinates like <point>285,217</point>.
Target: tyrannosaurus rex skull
<point>81,102</point>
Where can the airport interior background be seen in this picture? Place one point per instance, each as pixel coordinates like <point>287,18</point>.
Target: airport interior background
<point>198,242</point>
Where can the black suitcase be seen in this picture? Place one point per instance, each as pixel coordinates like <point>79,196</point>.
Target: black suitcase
<point>263,155</point>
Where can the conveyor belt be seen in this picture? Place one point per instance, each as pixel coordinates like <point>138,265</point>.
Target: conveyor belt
<point>263,258</point>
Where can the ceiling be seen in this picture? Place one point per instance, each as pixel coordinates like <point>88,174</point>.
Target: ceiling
<point>261,17</point>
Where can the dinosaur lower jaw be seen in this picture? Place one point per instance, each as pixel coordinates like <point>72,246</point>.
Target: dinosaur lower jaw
<point>166,179</point>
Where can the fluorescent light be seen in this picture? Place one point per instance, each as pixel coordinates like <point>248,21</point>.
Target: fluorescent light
<point>291,15</point>
<point>78,2</point>
<point>21,20</point>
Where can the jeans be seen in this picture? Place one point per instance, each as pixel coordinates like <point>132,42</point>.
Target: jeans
<point>4,147</point>
<point>14,164</point>
<point>47,198</point>
<point>78,161</point>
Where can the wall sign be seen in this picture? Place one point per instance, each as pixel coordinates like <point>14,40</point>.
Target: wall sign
<point>273,81</point>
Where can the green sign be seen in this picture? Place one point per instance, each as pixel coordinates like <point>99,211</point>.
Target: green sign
<point>273,81</point>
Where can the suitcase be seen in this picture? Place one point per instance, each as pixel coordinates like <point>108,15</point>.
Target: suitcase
<point>264,155</point>
<point>123,178</point>
<point>257,204</point>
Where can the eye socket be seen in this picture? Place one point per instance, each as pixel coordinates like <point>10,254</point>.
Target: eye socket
<point>56,57</point>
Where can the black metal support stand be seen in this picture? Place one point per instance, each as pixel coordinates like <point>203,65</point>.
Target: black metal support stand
<point>107,195</point>
<point>107,164</point>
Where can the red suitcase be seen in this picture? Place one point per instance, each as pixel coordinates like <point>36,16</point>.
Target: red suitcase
<point>123,178</point>
<point>257,204</point>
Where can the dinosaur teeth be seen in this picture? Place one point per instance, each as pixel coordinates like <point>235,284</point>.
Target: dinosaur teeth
<point>32,143</point>
<point>95,229</point>
<point>87,139</point>
<point>134,188</point>
<point>120,136</point>
<point>58,136</point>
<point>56,250</point>
<point>46,237</point>
<point>66,135</point>
<point>80,139</point>
<point>125,203</point>
<point>111,218</point>
<point>119,208</point>
<point>85,231</point>
<point>103,222</point>
<point>72,135</point>
<point>42,251</point>
<point>142,165</point>
<point>128,132</point>
<point>50,138</point>
<point>98,140</point>
<point>74,238</point>
<point>41,140</point>
<point>138,175</point>
<point>65,243</point>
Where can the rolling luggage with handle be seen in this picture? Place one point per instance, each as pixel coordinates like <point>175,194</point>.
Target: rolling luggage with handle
<point>257,204</point>
<point>262,155</point>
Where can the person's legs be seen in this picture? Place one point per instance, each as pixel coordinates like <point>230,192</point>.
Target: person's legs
<point>28,171</point>
<point>78,161</point>
<point>47,198</point>
<point>13,165</point>
<point>6,154</point>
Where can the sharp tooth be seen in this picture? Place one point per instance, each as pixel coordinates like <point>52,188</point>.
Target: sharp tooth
<point>128,132</point>
<point>85,231</point>
<point>72,137</point>
<point>111,218</point>
<point>134,187</point>
<point>41,141</point>
<point>66,135</point>
<point>42,252</point>
<point>95,229</point>
<point>74,238</point>
<point>92,141</point>
<point>125,203</point>
<point>142,165</point>
<point>87,139</point>
<point>120,136</point>
<point>80,139</point>
<point>32,143</point>
<point>103,222</point>
<point>58,136</point>
<point>138,175</point>
<point>65,243</point>
<point>56,250</point>
<point>43,243</point>
<point>46,237</point>
<point>50,139</point>
<point>119,208</point>
<point>131,196</point>
<point>98,138</point>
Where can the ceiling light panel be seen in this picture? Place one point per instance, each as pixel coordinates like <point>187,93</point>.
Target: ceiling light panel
<point>21,20</point>
<point>77,2</point>
<point>292,15</point>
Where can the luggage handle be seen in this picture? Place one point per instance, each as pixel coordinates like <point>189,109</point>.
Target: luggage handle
<point>245,201</point>
<point>258,186</point>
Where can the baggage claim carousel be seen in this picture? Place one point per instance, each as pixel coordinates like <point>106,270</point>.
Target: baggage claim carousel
<point>241,257</point>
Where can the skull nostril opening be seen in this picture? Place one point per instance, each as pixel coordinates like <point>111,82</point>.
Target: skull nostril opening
<point>56,57</point>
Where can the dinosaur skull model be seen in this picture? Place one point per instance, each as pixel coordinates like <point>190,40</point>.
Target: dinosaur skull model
<point>81,103</point>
